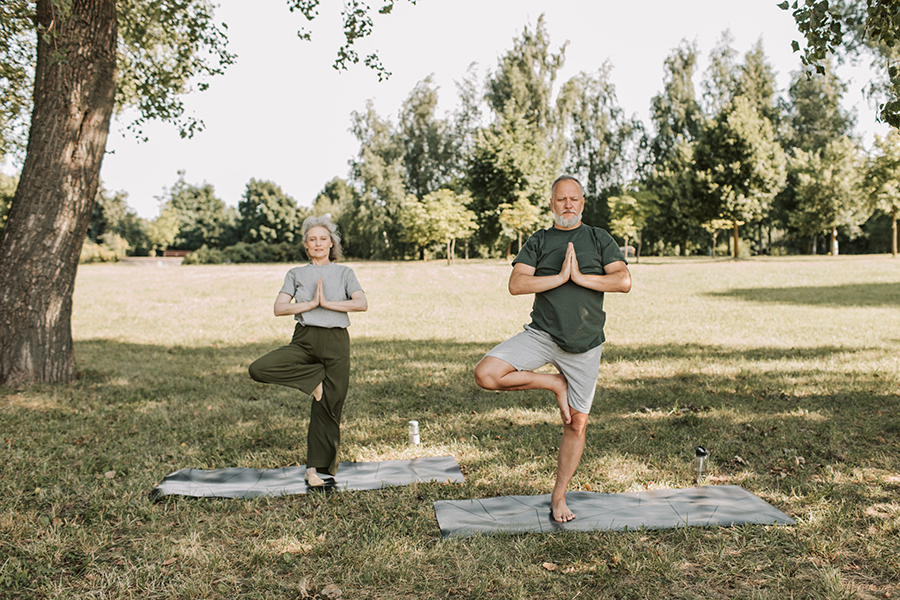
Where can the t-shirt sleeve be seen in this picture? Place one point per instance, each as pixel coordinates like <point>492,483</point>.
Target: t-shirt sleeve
<point>528,255</point>
<point>351,284</point>
<point>290,284</point>
<point>609,248</point>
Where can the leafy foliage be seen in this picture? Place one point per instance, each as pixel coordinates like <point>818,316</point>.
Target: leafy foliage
<point>267,214</point>
<point>828,188</point>
<point>829,27</point>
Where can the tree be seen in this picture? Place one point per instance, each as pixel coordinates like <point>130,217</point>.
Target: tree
<point>336,197</point>
<point>7,190</point>
<point>267,214</point>
<point>670,178</point>
<point>91,56</point>
<point>163,230</point>
<point>828,190</point>
<point>720,85</point>
<point>203,219</point>
<point>849,26</point>
<point>439,217</point>
<point>525,78</point>
<point>599,138</point>
<point>882,181</point>
<point>520,217</point>
<point>628,216</point>
<point>814,114</point>
<point>521,151</point>
<point>675,112</point>
<point>740,165</point>
<point>675,190</point>
<point>430,149</point>
<point>372,224</point>
<point>113,216</point>
<point>510,161</point>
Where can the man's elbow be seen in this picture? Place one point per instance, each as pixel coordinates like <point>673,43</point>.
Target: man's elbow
<point>625,285</point>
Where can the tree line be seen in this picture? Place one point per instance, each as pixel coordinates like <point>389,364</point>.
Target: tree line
<point>773,173</point>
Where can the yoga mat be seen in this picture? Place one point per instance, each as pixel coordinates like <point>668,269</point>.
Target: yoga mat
<point>237,482</point>
<point>703,506</point>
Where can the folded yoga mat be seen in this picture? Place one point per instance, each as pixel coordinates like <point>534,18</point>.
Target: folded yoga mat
<point>240,482</point>
<point>654,509</point>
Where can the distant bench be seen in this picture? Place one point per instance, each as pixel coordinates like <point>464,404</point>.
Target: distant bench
<point>627,251</point>
<point>175,253</point>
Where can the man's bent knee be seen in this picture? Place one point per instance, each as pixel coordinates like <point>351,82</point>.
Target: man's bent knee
<point>489,371</point>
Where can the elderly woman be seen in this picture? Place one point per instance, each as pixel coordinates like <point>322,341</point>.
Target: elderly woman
<point>317,361</point>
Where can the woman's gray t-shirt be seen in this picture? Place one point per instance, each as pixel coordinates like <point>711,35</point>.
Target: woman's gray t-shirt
<point>338,282</point>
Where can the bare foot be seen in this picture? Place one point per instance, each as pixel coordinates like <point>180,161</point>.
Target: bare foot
<point>313,479</point>
<point>562,398</point>
<point>317,393</point>
<point>560,511</point>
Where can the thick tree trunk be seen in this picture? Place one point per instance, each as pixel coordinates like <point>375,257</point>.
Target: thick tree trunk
<point>74,94</point>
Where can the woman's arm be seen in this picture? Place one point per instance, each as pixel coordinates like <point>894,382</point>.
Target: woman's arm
<point>284,306</point>
<point>356,303</point>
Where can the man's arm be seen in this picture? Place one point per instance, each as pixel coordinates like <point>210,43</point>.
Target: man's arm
<point>617,277</point>
<point>522,280</point>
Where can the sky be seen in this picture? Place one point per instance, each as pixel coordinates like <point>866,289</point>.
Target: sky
<point>283,114</point>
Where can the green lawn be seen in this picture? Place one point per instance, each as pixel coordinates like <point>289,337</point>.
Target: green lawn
<point>787,370</point>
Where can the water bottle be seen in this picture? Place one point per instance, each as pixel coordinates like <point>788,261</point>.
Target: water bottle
<point>413,433</point>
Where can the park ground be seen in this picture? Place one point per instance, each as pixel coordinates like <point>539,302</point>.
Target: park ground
<point>786,369</point>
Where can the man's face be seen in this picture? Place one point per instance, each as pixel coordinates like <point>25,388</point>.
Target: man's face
<point>567,204</point>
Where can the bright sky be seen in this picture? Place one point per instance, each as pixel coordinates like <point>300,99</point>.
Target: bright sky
<point>282,113</point>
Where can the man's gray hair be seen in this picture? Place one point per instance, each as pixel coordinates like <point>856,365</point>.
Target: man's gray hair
<point>566,178</point>
<point>325,221</point>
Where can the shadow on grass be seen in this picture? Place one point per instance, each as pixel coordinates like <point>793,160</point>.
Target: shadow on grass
<point>198,406</point>
<point>862,295</point>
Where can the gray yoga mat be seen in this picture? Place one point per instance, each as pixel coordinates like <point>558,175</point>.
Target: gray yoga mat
<point>703,506</point>
<point>237,482</point>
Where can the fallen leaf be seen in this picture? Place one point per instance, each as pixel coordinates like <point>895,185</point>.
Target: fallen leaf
<point>332,592</point>
<point>169,561</point>
<point>321,537</point>
<point>549,566</point>
<point>303,588</point>
<point>110,474</point>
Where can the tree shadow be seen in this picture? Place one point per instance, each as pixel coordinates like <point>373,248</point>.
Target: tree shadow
<point>862,295</point>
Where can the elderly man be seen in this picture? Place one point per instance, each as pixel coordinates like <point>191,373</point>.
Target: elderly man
<point>568,267</point>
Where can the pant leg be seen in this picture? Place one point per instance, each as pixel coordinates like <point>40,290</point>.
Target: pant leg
<point>295,365</point>
<point>324,437</point>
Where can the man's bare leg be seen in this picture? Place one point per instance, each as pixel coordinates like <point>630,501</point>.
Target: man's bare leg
<point>495,374</point>
<point>570,450</point>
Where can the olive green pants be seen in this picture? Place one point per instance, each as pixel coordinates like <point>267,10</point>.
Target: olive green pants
<point>315,355</point>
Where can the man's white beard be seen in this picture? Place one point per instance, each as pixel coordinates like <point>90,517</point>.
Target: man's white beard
<point>564,221</point>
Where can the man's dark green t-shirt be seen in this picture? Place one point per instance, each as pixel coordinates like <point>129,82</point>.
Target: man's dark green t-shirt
<point>571,314</point>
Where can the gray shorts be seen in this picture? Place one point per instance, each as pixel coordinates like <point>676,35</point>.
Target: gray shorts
<point>533,348</point>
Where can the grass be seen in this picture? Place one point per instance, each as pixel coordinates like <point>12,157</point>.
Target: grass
<point>787,370</point>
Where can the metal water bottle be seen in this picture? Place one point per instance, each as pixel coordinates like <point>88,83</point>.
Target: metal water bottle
<point>700,458</point>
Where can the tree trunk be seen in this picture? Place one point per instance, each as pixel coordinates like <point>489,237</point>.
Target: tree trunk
<point>833,242</point>
<point>894,233</point>
<point>737,251</point>
<point>74,96</point>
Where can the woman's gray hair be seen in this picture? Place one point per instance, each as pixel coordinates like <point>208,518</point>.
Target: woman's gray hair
<point>325,221</point>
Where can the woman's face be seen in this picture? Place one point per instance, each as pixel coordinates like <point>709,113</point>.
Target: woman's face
<point>318,243</point>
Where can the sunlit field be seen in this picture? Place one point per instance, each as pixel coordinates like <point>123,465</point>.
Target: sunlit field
<point>786,369</point>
